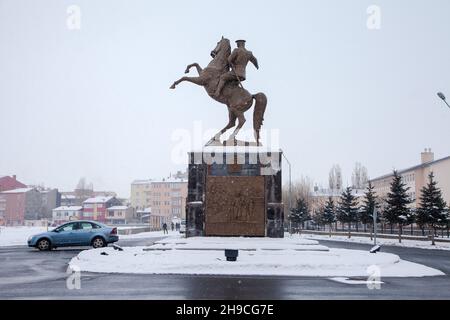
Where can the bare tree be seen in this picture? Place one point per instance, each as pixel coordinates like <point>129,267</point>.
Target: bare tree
<point>335,178</point>
<point>301,189</point>
<point>83,190</point>
<point>359,176</point>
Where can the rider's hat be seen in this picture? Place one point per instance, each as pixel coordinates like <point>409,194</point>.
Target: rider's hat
<point>237,41</point>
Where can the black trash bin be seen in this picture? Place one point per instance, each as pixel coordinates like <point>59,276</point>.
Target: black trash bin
<point>231,254</point>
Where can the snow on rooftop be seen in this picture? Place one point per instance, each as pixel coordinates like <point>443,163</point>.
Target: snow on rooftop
<point>19,190</point>
<point>68,208</point>
<point>147,181</point>
<point>118,208</point>
<point>163,180</point>
<point>68,196</point>
<point>102,199</point>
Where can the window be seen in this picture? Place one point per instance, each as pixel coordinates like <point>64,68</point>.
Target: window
<point>86,226</point>
<point>66,227</point>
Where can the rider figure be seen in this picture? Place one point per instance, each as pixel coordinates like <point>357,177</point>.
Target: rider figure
<point>238,61</point>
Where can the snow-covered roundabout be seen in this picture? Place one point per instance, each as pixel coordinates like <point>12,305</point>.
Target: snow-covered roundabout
<point>257,256</point>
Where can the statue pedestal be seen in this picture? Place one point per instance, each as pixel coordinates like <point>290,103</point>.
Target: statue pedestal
<point>235,191</point>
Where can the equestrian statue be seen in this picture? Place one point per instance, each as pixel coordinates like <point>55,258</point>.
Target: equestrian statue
<point>222,80</point>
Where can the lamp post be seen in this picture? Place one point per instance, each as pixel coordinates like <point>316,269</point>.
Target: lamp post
<point>375,226</point>
<point>442,96</point>
<point>290,189</point>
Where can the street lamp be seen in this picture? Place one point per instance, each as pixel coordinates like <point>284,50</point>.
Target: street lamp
<point>290,189</point>
<point>441,95</point>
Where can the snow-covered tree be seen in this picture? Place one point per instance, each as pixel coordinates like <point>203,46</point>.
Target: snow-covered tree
<point>347,211</point>
<point>432,209</point>
<point>397,209</point>
<point>300,213</point>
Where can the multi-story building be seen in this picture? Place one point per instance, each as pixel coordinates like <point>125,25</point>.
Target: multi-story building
<point>21,204</point>
<point>68,200</point>
<point>119,214</point>
<point>416,177</point>
<point>165,197</point>
<point>51,199</point>
<point>97,208</point>
<point>64,214</point>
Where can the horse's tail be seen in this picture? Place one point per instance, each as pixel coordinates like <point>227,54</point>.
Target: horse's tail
<point>258,113</point>
<point>260,108</point>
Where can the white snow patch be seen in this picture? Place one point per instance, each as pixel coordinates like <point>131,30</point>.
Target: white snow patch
<point>354,281</point>
<point>380,241</point>
<point>16,236</point>
<point>166,257</point>
<point>150,234</point>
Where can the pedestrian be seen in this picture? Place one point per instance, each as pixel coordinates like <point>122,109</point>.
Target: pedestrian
<point>177,226</point>
<point>172,226</point>
<point>165,228</point>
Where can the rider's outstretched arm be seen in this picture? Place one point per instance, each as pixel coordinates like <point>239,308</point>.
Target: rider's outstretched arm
<point>254,61</point>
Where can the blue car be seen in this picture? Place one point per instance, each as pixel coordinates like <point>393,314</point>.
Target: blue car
<point>77,233</point>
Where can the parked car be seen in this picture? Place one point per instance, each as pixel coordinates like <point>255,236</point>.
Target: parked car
<point>77,233</point>
<point>183,226</point>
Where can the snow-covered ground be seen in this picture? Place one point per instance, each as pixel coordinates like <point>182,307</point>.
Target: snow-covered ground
<point>16,236</point>
<point>150,234</point>
<point>257,256</point>
<point>381,241</point>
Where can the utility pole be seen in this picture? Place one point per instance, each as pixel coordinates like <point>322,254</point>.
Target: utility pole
<point>290,189</point>
<point>374,226</point>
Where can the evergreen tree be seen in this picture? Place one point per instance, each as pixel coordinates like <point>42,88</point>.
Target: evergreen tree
<point>329,213</point>
<point>397,209</point>
<point>432,208</point>
<point>369,205</point>
<point>347,211</point>
<point>300,213</point>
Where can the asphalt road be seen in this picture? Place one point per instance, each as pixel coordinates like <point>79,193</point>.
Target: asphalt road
<point>29,274</point>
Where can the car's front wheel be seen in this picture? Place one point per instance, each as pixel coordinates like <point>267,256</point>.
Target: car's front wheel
<point>43,245</point>
<point>98,243</point>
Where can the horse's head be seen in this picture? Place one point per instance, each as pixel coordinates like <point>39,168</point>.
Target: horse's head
<point>222,46</point>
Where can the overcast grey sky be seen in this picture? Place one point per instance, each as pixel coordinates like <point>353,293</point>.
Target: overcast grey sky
<point>95,102</point>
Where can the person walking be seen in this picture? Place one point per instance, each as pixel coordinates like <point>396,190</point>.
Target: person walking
<point>172,226</point>
<point>165,228</point>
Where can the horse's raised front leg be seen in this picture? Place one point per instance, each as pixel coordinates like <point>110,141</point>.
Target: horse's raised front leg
<point>197,80</point>
<point>196,65</point>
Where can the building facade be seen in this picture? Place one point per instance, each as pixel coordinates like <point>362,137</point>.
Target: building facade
<point>119,214</point>
<point>97,208</point>
<point>18,205</point>
<point>166,198</point>
<point>417,177</point>
<point>51,199</point>
<point>65,214</point>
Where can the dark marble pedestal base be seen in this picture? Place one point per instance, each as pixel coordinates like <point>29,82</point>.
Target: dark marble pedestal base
<point>235,191</point>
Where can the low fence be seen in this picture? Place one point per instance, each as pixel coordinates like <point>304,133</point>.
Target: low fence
<point>368,235</point>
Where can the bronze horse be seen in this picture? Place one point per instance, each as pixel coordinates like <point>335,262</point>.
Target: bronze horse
<point>234,96</point>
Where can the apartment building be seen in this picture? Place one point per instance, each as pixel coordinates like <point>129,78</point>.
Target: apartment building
<point>416,177</point>
<point>166,197</point>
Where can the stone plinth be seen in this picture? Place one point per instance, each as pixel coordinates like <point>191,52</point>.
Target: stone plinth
<point>235,191</point>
